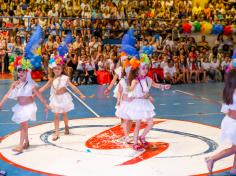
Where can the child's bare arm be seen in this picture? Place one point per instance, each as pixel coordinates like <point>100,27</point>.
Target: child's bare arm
<point>46,86</point>
<point>6,96</point>
<point>76,89</point>
<point>133,85</point>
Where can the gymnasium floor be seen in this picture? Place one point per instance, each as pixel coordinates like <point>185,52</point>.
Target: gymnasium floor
<point>186,130</point>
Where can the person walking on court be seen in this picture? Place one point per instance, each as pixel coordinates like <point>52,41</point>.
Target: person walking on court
<point>228,125</point>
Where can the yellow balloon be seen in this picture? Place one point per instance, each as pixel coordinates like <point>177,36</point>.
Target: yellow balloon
<point>206,28</point>
<point>38,51</point>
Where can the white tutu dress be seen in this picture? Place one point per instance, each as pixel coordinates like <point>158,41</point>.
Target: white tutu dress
<point>122,108</point>
<point>118,72</point>
<point>228,125</point>
<point>23,113</point>
<point>63,102</point>
<point>140,108</point>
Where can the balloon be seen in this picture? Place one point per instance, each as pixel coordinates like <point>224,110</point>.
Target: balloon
<point>38,58</point>
<point>11,68</point>
<point>228,30</point>
<point>11,58</point>
<point>206,28</point>
<point>197,26</point>
<point>187,27</point>
<point>217,29</point>
<point>37,65</point>
<point>38,51</point>
<point>234,29</point>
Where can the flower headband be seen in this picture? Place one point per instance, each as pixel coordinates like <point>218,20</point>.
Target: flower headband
<point>135,63</point>
<point>123,56</point>
<point>54,61</point>
<point>23,63</point>
<point>144,58</point>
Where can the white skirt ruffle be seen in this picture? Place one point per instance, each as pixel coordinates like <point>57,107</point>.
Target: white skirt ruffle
<point>121,110</point>
<point>61,103</point>
<point>139,109</point>
<point>24,113</point>
<point>115,91</point>
<point>228,131</point>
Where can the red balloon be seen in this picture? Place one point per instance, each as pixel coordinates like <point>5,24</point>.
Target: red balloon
<point>228,30</point>
<point>186,27</point>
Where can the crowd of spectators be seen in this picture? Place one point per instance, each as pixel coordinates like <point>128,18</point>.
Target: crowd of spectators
<point>176,58</point>
<point>109,18</point>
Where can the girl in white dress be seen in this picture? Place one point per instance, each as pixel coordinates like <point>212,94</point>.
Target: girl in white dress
<point>122,102</point>
<point>228,125</point>
<point>60,99</point>
<point>118,74</point>
<point>141,107</point>
<point>23,91</point>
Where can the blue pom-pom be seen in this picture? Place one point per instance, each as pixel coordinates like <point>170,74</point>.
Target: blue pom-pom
<point>128,38</point>
<point>129,50</point>
<point>33,42</point>
<point>63,48</point>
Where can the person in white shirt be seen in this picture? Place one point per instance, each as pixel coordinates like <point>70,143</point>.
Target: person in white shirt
<point>53,13</point>
<point>214,71</point>
<point>170,42</point>
<point>80,70</point>
<point>169,72</point>
<point>90,72</point>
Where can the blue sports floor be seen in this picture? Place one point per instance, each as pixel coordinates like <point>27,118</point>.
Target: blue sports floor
<point>195,102</point>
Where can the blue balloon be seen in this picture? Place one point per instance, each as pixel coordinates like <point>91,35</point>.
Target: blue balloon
<point>37,65</point>
<point>217,29</point>
<point>38,58</point>
<point>32,60</point>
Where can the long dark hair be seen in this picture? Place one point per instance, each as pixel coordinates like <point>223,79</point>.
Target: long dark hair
<point>230,86</point>
<point>133,74</point>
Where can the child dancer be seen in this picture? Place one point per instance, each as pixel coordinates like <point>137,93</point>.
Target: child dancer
<point>118,74</point>
<point>228,125</point>
<point>60,99</point>
<point>122,101</point>
<point>141,106</point>
<point>22,91</point>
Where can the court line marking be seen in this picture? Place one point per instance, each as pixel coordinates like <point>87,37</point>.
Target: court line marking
<point>158,116</point>
<point>5,110</point>
<point>83,103</point>
<point>196,114</point>
<point>199,97</point>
